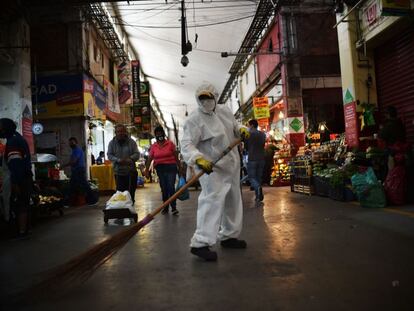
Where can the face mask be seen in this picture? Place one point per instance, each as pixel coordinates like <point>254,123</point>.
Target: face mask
<point>208,104</point>
<point>160,137</point>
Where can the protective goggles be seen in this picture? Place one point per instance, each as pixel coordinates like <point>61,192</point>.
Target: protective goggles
<point>205,95</point>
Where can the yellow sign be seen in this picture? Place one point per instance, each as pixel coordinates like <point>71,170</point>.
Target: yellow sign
<point>144,142</point>
<point>52,109</point>
<point>261,107</point>
<point>261,112</point>
<point>92,110</point>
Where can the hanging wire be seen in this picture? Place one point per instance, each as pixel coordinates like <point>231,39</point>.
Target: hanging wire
<point>195,28</point>
<point>191,26</point>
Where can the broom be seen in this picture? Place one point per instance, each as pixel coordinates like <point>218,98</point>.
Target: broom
<point>80,268</point>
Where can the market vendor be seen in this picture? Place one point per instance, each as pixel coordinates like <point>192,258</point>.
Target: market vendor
<point>78,181</point>
<point>17,158</point>
<point>393,129</point>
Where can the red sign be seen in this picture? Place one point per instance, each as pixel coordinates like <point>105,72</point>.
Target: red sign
<point>371,13</point>
<point>27,133</point>
<point>263,123</point>
<point>351,125</point>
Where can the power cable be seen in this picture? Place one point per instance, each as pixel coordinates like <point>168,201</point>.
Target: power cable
<point>200,2</point>
<point>197,8</point>
<point>190,26</point>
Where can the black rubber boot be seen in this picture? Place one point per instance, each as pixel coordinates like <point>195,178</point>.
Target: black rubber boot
<point>233,243</point>
<point>204,253</point>
<point>261,196</point>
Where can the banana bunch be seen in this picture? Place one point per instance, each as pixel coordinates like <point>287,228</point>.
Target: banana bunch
<point>44,199</point>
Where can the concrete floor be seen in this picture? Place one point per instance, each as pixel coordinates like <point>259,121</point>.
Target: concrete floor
<point>304,253</point>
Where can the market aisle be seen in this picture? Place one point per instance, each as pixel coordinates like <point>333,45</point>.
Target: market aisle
<point>304,253</point>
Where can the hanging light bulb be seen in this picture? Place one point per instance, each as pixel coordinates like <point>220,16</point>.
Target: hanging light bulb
<point>281,115</point>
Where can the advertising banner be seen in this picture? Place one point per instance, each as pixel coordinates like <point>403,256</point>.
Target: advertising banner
<point>351,125</point>
<point>135,82</point>
<point>94,98</point>
<point>58,96</point>
<point>295,125</point>
<point>124,80</point>
<point>27,122</point>
<point>142,111</point>
<point>113,111</point>
<point>261,107</point>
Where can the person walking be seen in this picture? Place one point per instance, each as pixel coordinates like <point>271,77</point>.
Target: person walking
<point>208,131</point>
<point>123,153</point>
<point>101,158</point>
<point>166,163</point>
<point>78,182</point>
<point>256,158</point>
<point>17,159</point>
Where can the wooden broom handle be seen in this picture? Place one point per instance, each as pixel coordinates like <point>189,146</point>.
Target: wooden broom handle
<point>193,180</point>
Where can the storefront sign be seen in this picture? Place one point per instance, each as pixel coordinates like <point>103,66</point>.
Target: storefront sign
<point>260,101</point>
<point>263,123</point>
<point>351,125</point>
<point>94,97</point>
<point>58,96</point>
<point>113,110</point>
<point>348,97</point>
<point>261,107</point>
<point>135,82</point>
<point>27,123</point>
<point>294,125</point>
<point>142,110</point>
<point>144,143</point>
<point>294,106</point>
<point>124,83</point>
<point>372,13</point>
<point>261,112</point>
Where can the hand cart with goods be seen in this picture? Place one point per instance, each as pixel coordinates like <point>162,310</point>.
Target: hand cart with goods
<point>120,206</point>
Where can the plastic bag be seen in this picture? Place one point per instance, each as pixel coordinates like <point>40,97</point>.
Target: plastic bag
<point>369,191</point>
<point>186,194</point>
<point>395,185</point>
<point>140,181</point>
<point>120,200</point>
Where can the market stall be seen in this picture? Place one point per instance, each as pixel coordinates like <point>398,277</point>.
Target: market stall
<point>50,186</point>
<point>104,175</point>
<point>281,173</point>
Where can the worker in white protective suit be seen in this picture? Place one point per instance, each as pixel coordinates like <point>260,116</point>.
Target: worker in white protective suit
<point>208,131</point>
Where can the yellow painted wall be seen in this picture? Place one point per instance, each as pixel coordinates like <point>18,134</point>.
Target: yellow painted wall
<point>354,72</point>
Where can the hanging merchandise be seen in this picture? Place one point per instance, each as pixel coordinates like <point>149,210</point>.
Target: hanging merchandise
<point>367,116</point>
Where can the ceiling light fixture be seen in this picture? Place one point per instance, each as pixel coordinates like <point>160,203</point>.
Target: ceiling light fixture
<point>186,45</point>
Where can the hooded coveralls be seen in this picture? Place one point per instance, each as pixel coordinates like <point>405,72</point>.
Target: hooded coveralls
<point>206,134</point>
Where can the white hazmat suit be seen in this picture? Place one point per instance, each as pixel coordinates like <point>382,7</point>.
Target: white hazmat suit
<point>208,131</point>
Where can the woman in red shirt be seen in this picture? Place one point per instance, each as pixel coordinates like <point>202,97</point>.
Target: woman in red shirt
<point>166,163</point>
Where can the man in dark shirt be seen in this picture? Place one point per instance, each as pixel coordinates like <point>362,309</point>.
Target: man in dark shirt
<point>78,182</point>
<point>255,164</point>
<point>17,158</point>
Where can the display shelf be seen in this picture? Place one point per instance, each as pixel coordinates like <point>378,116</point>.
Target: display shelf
<point>281,173</point>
